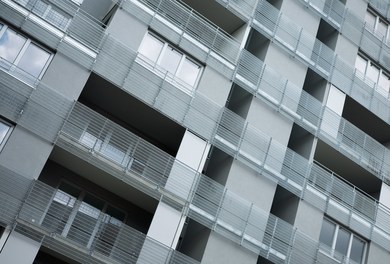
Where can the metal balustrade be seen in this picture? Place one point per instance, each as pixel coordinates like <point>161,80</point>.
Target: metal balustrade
<point>150,170</point>
<point>246,155</point>
<point>243,155</point>
<point>35,211</point>
<point>266,84</point>
<point>283,31</point>
<point>40,110</point>
<point>253,149</point>
<point>108,59</point>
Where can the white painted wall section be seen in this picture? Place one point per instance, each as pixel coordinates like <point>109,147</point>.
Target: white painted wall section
<point>19,249</point>
<point>331,120</point>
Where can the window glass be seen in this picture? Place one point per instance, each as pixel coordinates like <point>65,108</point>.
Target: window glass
<point>373,73</point>
<point>384,82</point>
<point>4,129</point>
<point>189,72</point>
<point>10,45</point>
<point>361,64</point>
<point>171,60</point>
<point>382,29</point>
<point>370,20</point>
<point>34,60</point>
<point>357,249</point>
<point>151,48</point>
<point>327,233</point>
<point>342,241</point>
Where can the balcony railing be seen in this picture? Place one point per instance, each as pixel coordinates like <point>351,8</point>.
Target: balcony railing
<point>108,64</point>
<point>247,153</point>
<point>147,168</point>
<point>188,30</point>
<point>87,237</point>
<point>273,24</point>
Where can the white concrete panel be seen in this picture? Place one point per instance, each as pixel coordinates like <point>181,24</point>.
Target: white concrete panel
<point>19,249</point>
<point>384,197</point>
<point>166,225</point>
<point>193,151</point>
<point>336,100</point>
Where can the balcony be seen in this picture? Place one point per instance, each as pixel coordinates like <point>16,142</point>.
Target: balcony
<point>89,235</point>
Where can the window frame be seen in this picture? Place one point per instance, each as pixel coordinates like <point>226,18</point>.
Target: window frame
<point>3,140</point>
<point>21,52</point>
<point>158,68</point>
<point>377,20</point>
<point>332,252</point>
<point>385,91</point>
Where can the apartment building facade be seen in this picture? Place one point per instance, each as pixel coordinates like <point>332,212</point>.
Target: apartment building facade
<point>194,131</point>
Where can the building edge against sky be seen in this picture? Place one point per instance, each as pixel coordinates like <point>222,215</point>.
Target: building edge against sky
<point>163,131</point>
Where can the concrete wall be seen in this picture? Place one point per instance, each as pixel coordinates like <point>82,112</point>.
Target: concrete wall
<point>66,77</point>
<point>19,249</point>
<point>120,28</point>
<point>251,186</point>
<point>214,86</point>
<point>377,255</point>
<point>220,250</point>
<point>301,16</point>
<point>25,153</point>
<point>345,48</point>
<point>309,220</point>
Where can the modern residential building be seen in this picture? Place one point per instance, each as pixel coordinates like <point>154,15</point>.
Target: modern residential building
<point>194,131</point>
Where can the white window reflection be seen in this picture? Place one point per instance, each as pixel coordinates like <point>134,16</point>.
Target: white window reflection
<point>5,130</point>
<point>20,56</point>
<point>34,60</point>
<point>169,63</point>
<point>340,243</point>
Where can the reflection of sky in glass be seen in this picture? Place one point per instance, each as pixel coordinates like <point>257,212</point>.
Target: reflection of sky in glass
<point>34,60</point>
<point>3,131</point>
<point>171,60</point>
<point>151,48</point>
<point>10,45</point>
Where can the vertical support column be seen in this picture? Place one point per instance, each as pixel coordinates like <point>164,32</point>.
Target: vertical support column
<point>168,222</point>
<point>19,249</point>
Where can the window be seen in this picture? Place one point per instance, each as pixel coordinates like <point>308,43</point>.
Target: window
<point>340,243</point>
<point>166,60</point>
<point>21,56</point>
<point>377,25</point>
<point>5,131</point>
<point>47,11</point>
<point>372,75</point>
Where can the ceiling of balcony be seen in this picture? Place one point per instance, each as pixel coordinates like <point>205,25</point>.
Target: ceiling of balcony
<point>131,113</point>
<point>366,121</point>
<point>216,13</point>
<point>348,169</point>
<point>103,179</point>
